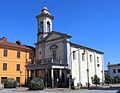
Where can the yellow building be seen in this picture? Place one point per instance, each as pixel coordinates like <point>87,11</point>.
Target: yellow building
<point>13,60</point>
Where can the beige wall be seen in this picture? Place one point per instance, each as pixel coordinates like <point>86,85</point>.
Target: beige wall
<point>12,61</point>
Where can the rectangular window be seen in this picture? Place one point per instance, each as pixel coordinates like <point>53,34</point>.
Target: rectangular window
<point>18,54</point>
<point>4,66</point>
<point>3,79</point>
<point>90,58</point>
<point>18,67</point>
<point>18,79</point>
<point>114,70</point>
<point>74,55</point>
<point>98,65</point>
<point>83,56</point>
<point>5,53</point>
<point>97,59</point>
<point>54,55</point>
<point>118,70</point>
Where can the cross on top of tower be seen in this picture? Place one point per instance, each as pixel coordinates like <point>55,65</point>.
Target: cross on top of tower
<point>45,1</point>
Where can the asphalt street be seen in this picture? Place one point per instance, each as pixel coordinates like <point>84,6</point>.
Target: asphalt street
<point>22,90</point>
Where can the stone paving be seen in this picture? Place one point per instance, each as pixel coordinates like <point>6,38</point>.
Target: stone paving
<point>58,90</point>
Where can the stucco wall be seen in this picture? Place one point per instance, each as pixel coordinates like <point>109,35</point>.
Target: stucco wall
<point>12,61</point>
<point>112,75</point>
<point>79,73</point>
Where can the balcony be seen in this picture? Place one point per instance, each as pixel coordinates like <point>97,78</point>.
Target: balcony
<point>47,63</point>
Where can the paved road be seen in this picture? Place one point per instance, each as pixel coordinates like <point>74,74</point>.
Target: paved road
<point>22,90</point>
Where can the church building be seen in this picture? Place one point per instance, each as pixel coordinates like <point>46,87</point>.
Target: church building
<point>60,62</point>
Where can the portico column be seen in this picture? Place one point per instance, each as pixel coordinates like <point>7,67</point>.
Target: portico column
<point>60,73</point>
<point>0,80</point>
<point>34,73</point>
<point>27,76</point>
<point>52,77</point>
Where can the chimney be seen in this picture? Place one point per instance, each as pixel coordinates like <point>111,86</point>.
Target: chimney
<point>108,63</point>
<point>18,42</point>
<point>3,39</point>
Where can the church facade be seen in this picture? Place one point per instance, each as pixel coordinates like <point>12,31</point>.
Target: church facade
<point>59,61</point>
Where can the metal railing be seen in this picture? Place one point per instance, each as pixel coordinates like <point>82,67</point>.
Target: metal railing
<point>47,61</point>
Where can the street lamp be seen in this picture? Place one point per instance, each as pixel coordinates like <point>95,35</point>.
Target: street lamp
<point>20,78</point>
<point>102,78</point>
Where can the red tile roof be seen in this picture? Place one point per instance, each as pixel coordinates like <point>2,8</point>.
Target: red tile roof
<point>111,65</point>
<point>3,42</point>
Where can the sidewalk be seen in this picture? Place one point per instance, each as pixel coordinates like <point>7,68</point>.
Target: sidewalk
<point>57,89</point>
<point>93,89</point>
<point>24,89</point>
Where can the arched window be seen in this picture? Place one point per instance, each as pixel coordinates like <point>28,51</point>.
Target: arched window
<point>54,55</point>
<point>41,26</point>
<point>53,49</point>
<point>48,26</point>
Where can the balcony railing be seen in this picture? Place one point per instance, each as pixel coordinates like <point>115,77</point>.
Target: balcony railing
<point>47,61</point>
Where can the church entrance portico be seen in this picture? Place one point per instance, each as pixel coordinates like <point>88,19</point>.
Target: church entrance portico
<point>56,78</point>
<point>53,76</point>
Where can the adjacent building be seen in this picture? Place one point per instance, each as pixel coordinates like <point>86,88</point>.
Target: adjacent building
<point>114,70</point>
<point>58,60</point>
<point>13,60</point>
<point>106,73</point>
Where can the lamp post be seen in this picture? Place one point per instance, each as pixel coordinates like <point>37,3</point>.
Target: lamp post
<point>20,78</point>
<point>102,78</point>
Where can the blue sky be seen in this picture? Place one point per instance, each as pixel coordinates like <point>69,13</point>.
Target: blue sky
<point>93,23</point>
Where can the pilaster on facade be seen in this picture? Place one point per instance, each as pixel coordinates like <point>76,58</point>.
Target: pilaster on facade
<point>87,59</point>
<point>103,77</point>
<point>79,65</point>
<point>95,64</point>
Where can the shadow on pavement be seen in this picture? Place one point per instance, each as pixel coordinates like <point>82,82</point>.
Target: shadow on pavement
<point>118,91</point>
<point>104,88</point>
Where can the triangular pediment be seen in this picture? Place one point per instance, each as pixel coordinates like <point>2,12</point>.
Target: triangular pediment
<point>56,35</point>
<point>53,36</point>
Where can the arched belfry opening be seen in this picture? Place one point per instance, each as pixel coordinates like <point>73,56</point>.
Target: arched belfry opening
<point>48,26</point>
<point>44,20</point>
<point>41,26</point>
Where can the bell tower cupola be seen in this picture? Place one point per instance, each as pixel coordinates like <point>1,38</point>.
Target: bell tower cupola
<point>44,20</point>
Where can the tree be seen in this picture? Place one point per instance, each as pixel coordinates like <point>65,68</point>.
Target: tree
<point>116,80</point>
<point>36,84</point>
<point>107,79</point>
<point>10,83</point>
<point>96,80</point>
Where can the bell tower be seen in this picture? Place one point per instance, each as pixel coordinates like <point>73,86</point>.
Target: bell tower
<point>44,20</point>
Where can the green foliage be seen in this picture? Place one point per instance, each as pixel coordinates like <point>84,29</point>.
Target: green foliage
<point>96,80</point>
<point>36,84</point>
<point>116,80</point>
<point>108,80</point>
<point>10,83</point>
